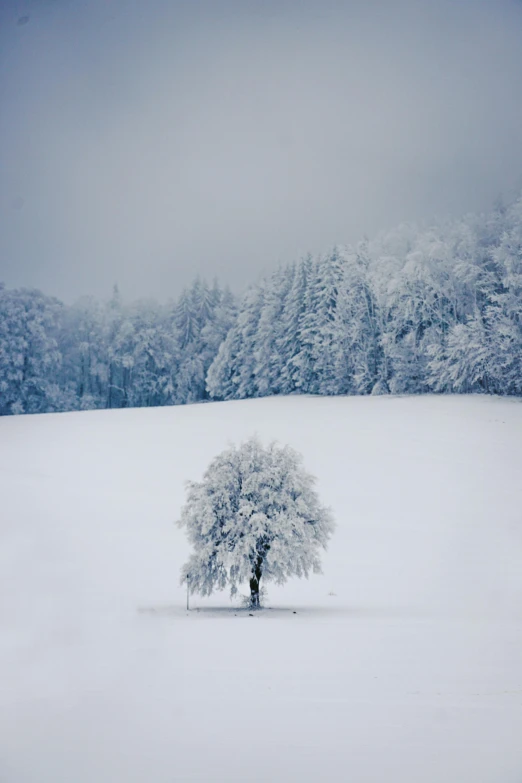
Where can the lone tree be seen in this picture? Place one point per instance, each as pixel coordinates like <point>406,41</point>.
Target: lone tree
<point>254,516</point>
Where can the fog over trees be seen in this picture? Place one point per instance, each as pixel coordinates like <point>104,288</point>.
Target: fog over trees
<point>415,310</point>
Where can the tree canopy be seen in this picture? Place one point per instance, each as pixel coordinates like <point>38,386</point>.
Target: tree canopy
<point>255,515</point>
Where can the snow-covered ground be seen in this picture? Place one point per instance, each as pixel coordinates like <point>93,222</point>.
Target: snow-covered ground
<point>403,663</point>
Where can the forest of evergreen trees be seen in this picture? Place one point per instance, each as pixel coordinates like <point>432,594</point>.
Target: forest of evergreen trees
<point>108,355</point>
<point>435,309</point>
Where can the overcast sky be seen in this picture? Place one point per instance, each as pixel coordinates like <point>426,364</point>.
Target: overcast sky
<point>146,141</point>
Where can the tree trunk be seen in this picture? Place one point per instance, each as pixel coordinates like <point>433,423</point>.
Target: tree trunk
<point>254,592</point>
<point>254,584</point>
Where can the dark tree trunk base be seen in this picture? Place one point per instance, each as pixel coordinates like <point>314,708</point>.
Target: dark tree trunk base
<point>254,585</point>
<point>254,593</point>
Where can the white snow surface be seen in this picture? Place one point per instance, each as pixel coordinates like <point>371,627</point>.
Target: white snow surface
<point>402,663</point>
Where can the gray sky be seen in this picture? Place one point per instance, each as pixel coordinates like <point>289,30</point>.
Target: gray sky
<point>146,141</point>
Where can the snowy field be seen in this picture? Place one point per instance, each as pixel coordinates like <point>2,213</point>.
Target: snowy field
<point>403,663</point>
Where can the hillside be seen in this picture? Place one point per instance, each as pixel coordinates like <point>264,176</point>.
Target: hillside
<point>402,662</point>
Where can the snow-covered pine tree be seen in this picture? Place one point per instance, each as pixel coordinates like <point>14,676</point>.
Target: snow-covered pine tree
<point>337,318</point>
<point>248,323</point>
<point>317,358</point>
<point>301,367</point>
<point>186,317</point>
<point>221,381</point>
<point>219,323</point>
<point>289,342</point>
<point>362,368</point>
<point>203,316</point>
<point>231,374</point>
<point>268,359</point>
<point>255,515</point>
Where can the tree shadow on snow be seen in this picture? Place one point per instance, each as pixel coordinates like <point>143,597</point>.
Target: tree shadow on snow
<point>348,611</point>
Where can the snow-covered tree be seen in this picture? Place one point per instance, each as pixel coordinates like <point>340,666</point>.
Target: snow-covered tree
<point>203,316</point>
<point>359,316</point>
<point>301,370</point>
<point>29,355</point>
<point>152,355</point>
<point>231,374</point>
<point>82,344</point>
<point>268,359</point>
<point>294,310</point>
<point>505,314</point>
<point>217,325</point>
<point>255,515</point>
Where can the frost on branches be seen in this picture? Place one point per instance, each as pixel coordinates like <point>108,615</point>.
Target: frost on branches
<point>255,515</point>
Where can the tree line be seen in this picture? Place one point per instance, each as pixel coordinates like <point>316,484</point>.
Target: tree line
<point>106,354</point>
<point>417,309</point>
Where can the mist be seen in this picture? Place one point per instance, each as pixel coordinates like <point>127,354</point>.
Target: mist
<point>146,143</point>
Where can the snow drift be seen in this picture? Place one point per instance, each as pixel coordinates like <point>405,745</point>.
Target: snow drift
<point>400,663</point>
